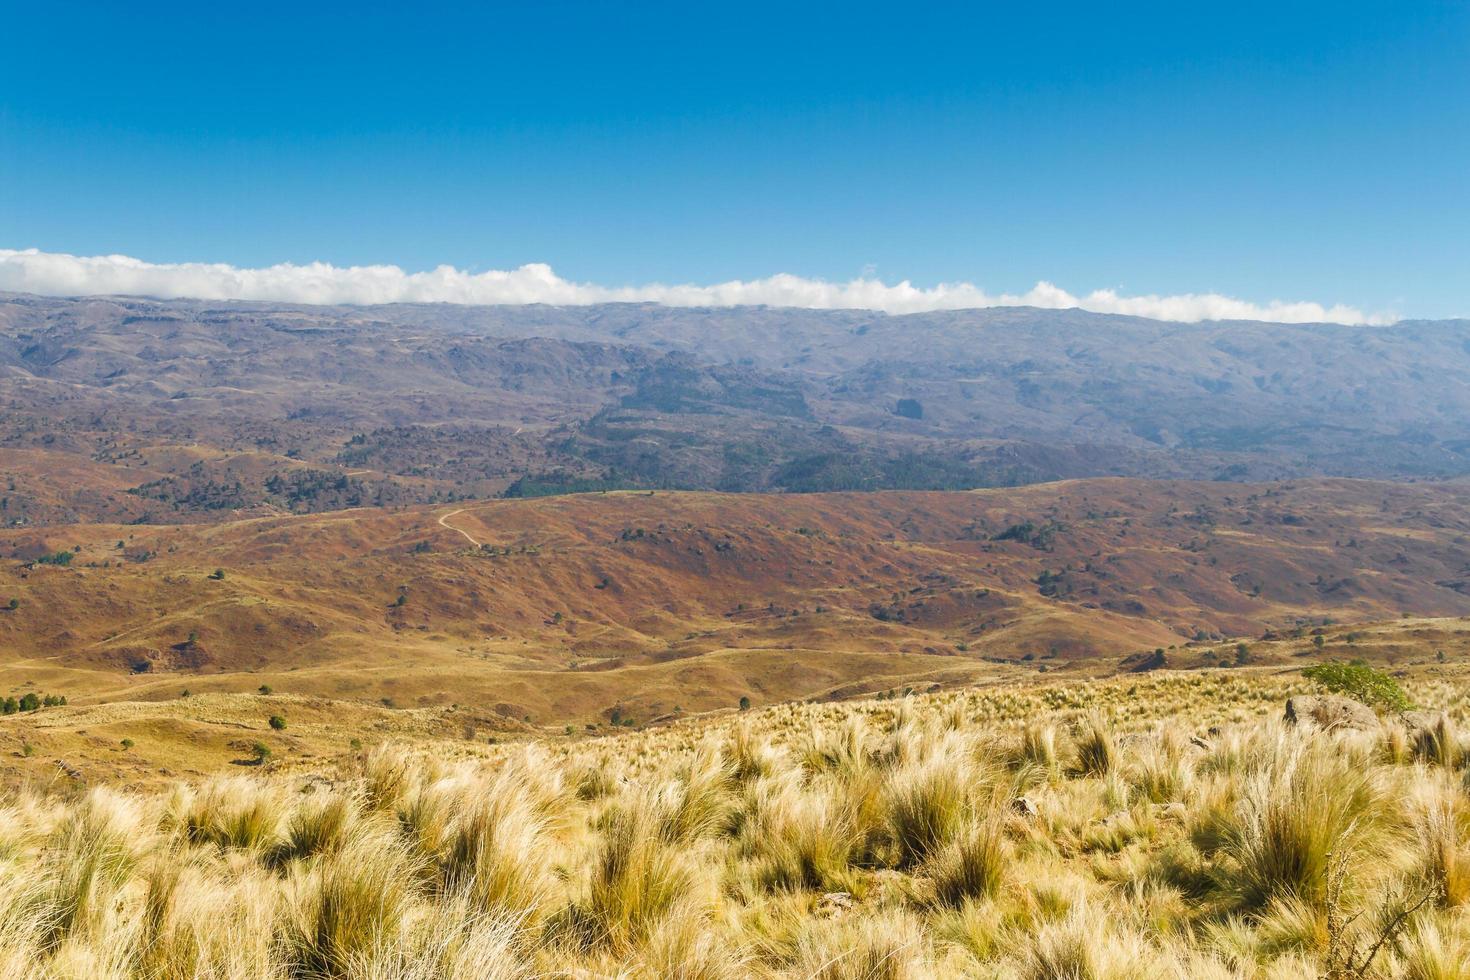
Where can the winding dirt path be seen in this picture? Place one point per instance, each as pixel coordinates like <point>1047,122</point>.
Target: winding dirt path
<point>444,521</point>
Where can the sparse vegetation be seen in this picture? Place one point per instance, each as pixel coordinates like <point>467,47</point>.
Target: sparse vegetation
<point>1069,831</point>
<point>706,799</point>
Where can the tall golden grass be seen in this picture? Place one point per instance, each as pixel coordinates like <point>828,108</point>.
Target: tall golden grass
<point>1170,828</point>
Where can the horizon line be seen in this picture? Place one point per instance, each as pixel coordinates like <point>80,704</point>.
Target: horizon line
<point>59,274</point>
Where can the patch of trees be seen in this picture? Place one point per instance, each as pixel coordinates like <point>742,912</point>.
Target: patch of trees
<point>561,481</point>
<point>832,471</point>
<point>1053,585</point>
<point>909,408</point>
<point>194,495</point>
<point>1037,536</point>
<point>30,701</point>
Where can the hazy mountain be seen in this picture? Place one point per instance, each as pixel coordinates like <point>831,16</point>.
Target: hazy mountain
<point>232,406</point>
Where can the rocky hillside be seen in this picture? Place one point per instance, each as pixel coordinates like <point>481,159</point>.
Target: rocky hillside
<point>211,411</point>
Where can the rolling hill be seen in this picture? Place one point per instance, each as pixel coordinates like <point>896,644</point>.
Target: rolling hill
<point>586,608</point>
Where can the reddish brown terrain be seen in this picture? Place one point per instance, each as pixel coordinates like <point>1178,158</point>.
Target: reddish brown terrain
<point>366,511</point>
<point>564,608</point>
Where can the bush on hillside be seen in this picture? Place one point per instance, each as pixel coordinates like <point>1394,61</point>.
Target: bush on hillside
<point>1357,680</point>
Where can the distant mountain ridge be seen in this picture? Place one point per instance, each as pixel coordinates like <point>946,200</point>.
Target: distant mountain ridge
<point>209,405</point>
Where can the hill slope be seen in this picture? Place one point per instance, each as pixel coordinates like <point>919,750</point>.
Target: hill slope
<point>563,609</point>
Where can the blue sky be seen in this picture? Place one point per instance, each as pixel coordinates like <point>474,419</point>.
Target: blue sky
<point>1291,151</point>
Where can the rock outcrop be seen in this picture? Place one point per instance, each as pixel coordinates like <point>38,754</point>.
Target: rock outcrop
<point>1330,712</point>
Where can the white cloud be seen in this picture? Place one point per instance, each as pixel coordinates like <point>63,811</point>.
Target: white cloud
<point>57,274</point>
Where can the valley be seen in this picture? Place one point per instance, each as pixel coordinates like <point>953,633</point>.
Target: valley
<point>596,611</point>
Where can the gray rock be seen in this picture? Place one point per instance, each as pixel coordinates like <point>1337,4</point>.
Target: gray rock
<point>1417,721</point>
<point>834,904</point>
<point>1330,712</point>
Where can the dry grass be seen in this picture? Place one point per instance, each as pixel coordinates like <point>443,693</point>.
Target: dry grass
<point>866,840</point>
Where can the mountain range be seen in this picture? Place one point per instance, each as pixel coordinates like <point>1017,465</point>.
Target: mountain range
<point>129,409</point>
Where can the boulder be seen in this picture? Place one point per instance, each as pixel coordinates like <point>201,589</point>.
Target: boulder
<point>1024,806</point>
<point>1172,811</point>
<point>834,904</point>
<point>1432,737</point>
<point>1330,712</point>
<point>1417,721</point>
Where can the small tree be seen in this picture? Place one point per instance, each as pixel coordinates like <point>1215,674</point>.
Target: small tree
<point>278,723</point>
<point>264,689</point>
<point>29,701</point>
<point>744,703</point>
<point>217,574</point>
<point>1355,679</point>
<point>13,604</point>
<point>261,753</point>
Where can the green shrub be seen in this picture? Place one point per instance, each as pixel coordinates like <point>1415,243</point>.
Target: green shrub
<point>1355,679</point>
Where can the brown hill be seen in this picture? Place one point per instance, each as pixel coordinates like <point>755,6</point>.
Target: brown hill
<point>564,609</point>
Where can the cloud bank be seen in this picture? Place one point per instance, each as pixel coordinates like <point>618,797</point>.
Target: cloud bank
<point>59,274</point>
